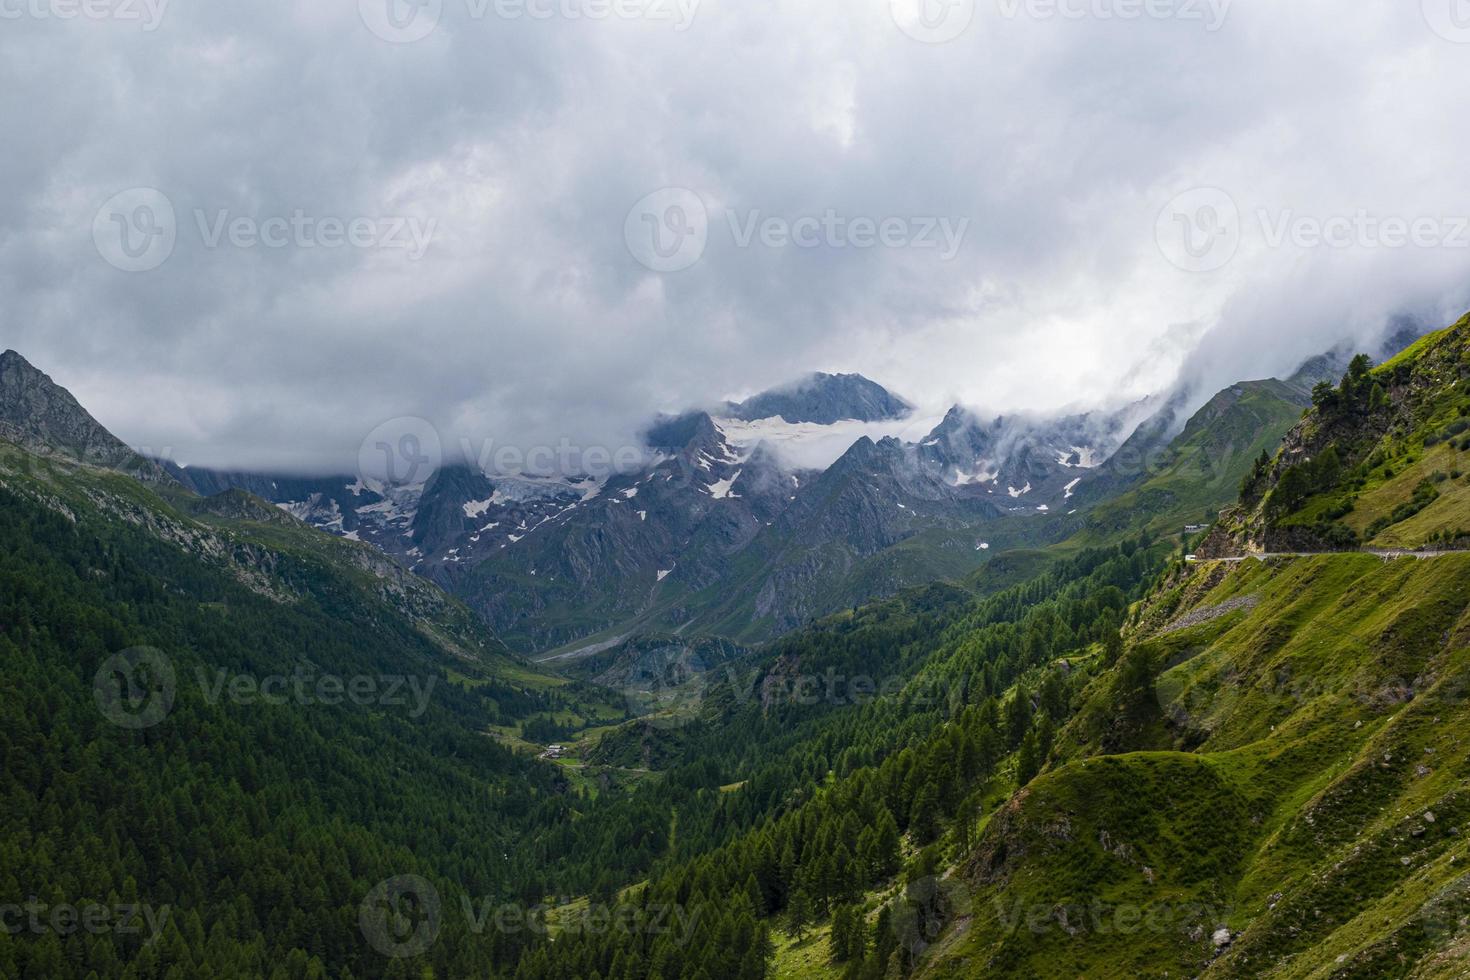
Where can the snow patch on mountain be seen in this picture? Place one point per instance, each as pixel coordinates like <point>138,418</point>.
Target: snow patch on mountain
<point>983,473</point>
<point>721,489</point>
<point>1080,457</point>
<point>397,509</point>
<point>477,508</point>
<point>316,510</point>
<point>813,446</point>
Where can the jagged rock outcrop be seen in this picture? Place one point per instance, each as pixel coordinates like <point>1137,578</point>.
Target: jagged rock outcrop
<point>824,399</point>
<point>39,415</point>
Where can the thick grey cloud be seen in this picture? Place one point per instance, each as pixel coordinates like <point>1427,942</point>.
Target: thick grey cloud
<point>1059,133</point>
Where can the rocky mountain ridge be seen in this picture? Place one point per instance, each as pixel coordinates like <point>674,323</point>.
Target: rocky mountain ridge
<point>725,530</point>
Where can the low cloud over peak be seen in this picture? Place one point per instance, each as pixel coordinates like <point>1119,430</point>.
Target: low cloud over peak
<point>285,224</point>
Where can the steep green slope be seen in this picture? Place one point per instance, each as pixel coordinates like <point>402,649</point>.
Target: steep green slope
<point>1119,866</point>
<point>1302,784</point>
<point>1203,466</point>
<point>1262,776</point>
<point>1378,462</point>
<point>1271,781</point>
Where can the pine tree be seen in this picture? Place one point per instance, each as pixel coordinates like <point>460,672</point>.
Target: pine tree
<point>890,849</point>
<point>1027,763</point>
<point>798,914</point>
<point>924,821</point>
<point>1018,717</point>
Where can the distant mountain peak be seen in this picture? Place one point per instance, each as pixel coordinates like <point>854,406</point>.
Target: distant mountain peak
<point>39,415</point>
<point>823,399</point>
<point>678,433</point>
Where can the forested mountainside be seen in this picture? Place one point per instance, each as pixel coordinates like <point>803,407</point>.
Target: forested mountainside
<point>250,724</point>
<point>142,642</point>
<point>1260,774</point>
<point>1104,759</point>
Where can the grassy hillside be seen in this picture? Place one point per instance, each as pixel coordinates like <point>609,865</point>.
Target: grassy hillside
<point>1202,469</point>
<point>1299,779</point>
<point>1260,774</point>
<point>1380,461</point>
<point>1271,779</point>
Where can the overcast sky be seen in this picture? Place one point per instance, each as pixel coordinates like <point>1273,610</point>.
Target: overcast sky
<point>1001,195</point>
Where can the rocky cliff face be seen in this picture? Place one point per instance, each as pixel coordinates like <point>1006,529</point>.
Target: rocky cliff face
<point>1027,464</point>
<point>723,529</point>
<point>41,416</point>
<point>824,399</point>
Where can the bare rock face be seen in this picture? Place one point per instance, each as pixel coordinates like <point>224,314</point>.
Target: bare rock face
<point>39,415</point>
<point>1225,539</point>
<point>824,399</point>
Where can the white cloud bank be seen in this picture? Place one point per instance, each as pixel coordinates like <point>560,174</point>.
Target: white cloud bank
<point>1059,135</point>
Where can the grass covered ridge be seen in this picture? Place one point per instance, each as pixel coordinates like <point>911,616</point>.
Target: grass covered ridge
<point>1301,782</point>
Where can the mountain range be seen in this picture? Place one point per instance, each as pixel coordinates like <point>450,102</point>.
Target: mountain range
<point>756,517</point>
<point>1130,747</point>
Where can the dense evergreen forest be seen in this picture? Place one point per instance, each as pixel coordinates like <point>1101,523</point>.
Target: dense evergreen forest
<point>262,828</point>
<point>846,800</point>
